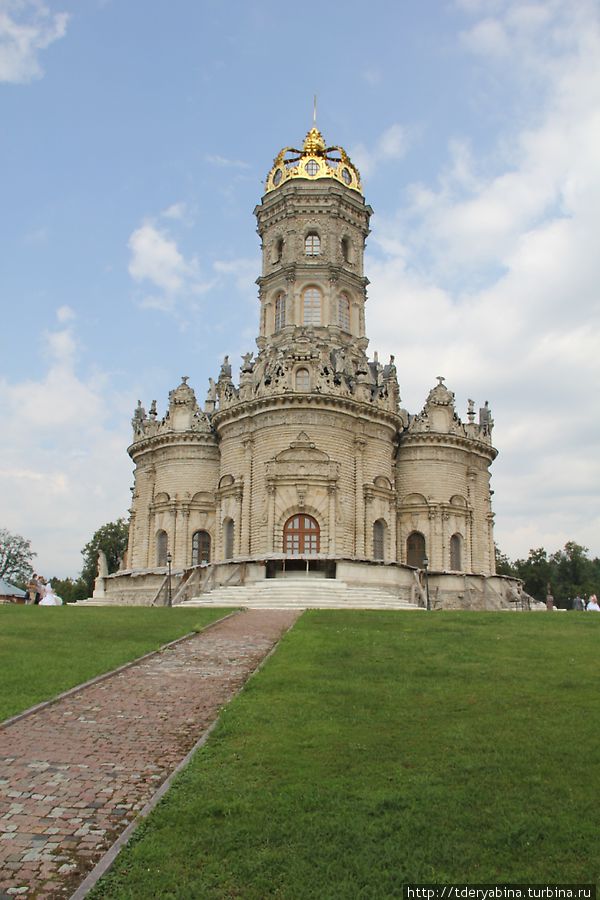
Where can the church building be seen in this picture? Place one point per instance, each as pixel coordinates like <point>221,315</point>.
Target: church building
<point>306,465</point>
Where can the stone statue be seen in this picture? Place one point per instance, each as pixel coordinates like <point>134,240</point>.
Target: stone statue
<point>247,362</point>
<point>212,390</point>
<point>139,415</point>
<point>102,564</point>
<point>153,410</point>
<point>225,369</point>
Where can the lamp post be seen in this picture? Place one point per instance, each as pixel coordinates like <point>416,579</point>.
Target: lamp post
<point>425,568</point>
<point>169,594</point>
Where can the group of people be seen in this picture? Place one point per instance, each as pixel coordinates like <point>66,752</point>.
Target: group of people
<point>591,605</point>
<point>41,593</point>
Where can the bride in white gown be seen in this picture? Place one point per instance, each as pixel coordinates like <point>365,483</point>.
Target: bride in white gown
<point>50,598</point>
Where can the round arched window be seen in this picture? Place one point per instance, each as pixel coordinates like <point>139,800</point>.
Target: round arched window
<point>312,244</point>
<point>311,306</point>
<point>301,536</point>
<point>415,549</point>
<point>303,380</point>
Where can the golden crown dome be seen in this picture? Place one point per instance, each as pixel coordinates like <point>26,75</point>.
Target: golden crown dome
<point>316,160</point>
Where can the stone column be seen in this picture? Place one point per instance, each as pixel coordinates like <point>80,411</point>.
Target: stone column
<point>359,503</point>
<point>237,551</point>
<point>432,512</point>
<point>271,518</point>
<point>393,550</point>
<point>331,490</point>
<point>183,554</point>
<point>247,499</point>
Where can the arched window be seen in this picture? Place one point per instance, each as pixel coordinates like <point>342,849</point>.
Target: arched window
<point>279,312</point>
<point>312,244</point>
<point>379,539</point>
<point>415,549</point>
<point>303,380</point>
<point>229,530</point>
<point>344,312</point>
<point>456,552</point>
<point>162,546</point>
<point>278,249</point>
<point>301,536</point>
<point>311,306</point>
<point>200,547</point>
<point>346,249</point>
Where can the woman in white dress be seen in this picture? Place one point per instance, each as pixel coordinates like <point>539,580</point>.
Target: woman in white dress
<point>50,598</point>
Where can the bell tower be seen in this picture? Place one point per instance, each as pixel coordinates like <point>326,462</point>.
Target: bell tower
<point>313,222</point>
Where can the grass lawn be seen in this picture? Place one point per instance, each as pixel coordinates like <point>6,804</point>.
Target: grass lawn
<point>45,650</point>
<point>376,749</point>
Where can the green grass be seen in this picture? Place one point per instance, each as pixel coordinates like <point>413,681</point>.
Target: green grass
<point>46,650</point>
<point>376,749</point>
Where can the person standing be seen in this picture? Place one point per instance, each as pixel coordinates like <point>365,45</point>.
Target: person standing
<point>578,603</point>
<point>593,604</point>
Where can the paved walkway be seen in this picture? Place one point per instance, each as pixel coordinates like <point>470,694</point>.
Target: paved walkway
<point>75,774</point>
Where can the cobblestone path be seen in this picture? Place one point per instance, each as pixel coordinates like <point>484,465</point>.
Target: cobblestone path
<point>74,775</point>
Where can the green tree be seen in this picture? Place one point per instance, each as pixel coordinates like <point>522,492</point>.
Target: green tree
<point>503,563</point>
<point>112,539</point>
<point>536,572</point>
<point>16,557</point>
<point>70,589</point>
<point>574,571</point>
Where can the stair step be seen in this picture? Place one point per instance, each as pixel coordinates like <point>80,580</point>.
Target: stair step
<point>301,594</point>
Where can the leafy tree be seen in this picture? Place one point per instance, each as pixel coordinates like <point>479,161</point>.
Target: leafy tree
<point>573,570</point>
<point>112,538</point>
<point>536,572</point>
<point>16,557</point>
<point>503,563</point>
<point>70,589</point>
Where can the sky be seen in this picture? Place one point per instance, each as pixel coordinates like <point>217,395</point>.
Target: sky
<point>135,138</point>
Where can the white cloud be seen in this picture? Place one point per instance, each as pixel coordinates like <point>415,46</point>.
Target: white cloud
<point>391,145</point>
<point>26,28</point>
<point>64,468</point>
<point>225,163</point>
<point>177,211</point>
<point>157,261</point>
<point>525,334</point>
<point>65,314</point>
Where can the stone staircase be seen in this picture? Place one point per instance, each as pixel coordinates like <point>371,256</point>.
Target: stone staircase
<point>301,593</point>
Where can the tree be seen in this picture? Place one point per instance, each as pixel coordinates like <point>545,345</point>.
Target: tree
<point>503,563</point>
<point>70,589</point>
<point>16,557</point>
<point>536,572</point>
<point>112,539</point>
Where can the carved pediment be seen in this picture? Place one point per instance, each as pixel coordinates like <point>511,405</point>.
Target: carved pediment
<point>303,451</point>
<point>302,460</point>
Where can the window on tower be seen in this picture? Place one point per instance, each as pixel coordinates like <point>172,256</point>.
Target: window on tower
<point>312,244</point>
<point>279,312</point>
<point>344,312</point>
<point>311,306</point>
<point>303,380</point>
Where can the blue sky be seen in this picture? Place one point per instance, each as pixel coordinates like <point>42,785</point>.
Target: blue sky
<point>134,140</point>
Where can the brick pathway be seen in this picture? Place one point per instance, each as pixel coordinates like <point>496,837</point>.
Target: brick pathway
<point>73,775</point>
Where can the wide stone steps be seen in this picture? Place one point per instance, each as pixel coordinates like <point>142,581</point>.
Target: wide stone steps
<point>301,593</point>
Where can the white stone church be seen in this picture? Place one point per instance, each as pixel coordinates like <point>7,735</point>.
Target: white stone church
<point>306,466</point>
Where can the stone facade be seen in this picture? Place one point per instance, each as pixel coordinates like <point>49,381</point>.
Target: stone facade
<point>308,455</point>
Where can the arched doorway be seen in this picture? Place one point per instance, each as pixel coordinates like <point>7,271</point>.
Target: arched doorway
<point>415,549</point>
<point>200,547</point>
<point>301,536</point>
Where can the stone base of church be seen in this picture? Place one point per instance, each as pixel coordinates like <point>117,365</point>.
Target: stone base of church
<point>447,590</point>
